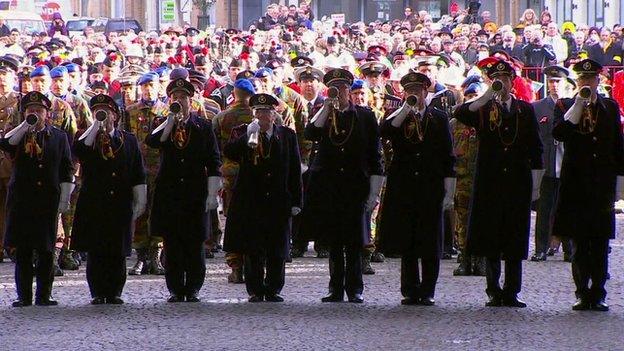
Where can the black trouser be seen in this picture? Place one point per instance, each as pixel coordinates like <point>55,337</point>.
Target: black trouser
<point>449,230</point>
<point>513,277</point>
<point>590,260</point>
<point>106,274</point>
<point>549,194</point>
<point>185,266</point>
<point>411,283</point>
<point>25,270</point>
<point>345,270</point>
<point>264,274</point>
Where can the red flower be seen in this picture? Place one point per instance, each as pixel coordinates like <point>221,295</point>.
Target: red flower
<point>205,51</point>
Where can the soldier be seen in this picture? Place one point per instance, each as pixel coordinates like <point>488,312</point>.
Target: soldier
<point>268,192</point>
<point>9,100</point>
<point>553,154</point>
<point>40,188</point>
<point>224,96</point>
<point>113,195</point>
<point>465,145</point>
<point>223,123</point>
<point>507,179</point>
<point>421,184</point>
<point>592,180</point>
<point>345,179</point>
<point>140,120</point>
<point>186,189</point>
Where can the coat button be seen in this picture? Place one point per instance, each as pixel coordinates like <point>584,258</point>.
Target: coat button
<point>268,174</point>
<point>504,169</point>
<point>416,173</point>
<point>594,155</point>
<point>40,166</point>
<point>595,139</point>
<point>505,149</point>
<point>506,128</point>
<point>181,180</point>
<point>39,183</point>
<point>418,154</point>
<point>267,194</point>
<point>341,169</point>
<point>182,160</point>
<point>114,174</point>
<point>112,192</point>
<point>342,149</point>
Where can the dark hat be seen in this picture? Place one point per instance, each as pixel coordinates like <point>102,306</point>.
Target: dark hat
<point>158,50</point>
<point>331,41</point>
<point>191,32</point>
<point>264,72</point>
<point>337,75</point>
<point>35,98</point>
<point>587,67</point>
<point>93,69</point>
<point>178,73</point>
<point>232,31</point>
<point>445,31</point>
<point>501,67</point>
<point>263,102</point>
<point>200,60</point>
<point>24,72</point>
<point>244,85</point>
<point>308,72</point>
<point>246,74</point>
<point>556,72</point>
<point>373,67</point>
<point>180,85</point>
<point>482,32</point>
<point>360,55</point>
<point>100,84</point>
<point>377,50</point>
<point>301,61</point>
<point>103,100</point>
<point>236,63</point>
<point>415,78</point>
<point>197,77</point>
<point>8,63</point>
<point>274,64</point>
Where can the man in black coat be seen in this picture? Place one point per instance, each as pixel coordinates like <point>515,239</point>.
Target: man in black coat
<point>39,189</point>
<point>507,179</point>
<point>420,186</point>
<point>591,181</point>
<point>186,189</point>
<point>346,176</point>
<point>112,197</point>
<point>267,194</point>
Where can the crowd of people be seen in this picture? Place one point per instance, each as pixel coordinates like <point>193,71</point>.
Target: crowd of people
<point>411,138</point>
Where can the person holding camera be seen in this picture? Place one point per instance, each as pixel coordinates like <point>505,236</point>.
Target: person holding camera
<point>112,197</point>
<point>539,55</point>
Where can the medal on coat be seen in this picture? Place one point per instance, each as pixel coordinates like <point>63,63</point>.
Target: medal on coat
<point>31,147</point>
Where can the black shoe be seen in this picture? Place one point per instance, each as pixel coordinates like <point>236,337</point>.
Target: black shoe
<point>333,298</point>
<point>21,303</point>
<point>98,301</point>
<point>426,301</point>
<point>600,305</point>
<point>175,298</point>
<point>581,305</point>
<point>45,302</point>
<point>494,301</point>
<point>409,301</point>
<point>464,268</point>
<point>273,298</point>
<point>378,257</point>
<point>322,254</point>
<point>513,301</point>
<point>255,298</point>
<point>115,300</point>
<point>192,297</point>
<point>366,267</point>
<point>447,256</point>
<point>539,256</point>
<point>357,298</point>
<point>552,252</point>
<point>296,253</point>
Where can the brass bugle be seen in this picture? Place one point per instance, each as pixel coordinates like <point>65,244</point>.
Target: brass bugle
<point>175,108</point>
<point>497,86</point>
<point>412,100</point>
<point>332,93</point>
<point>585,92</point>
<point>101,115</point>
<point>32,119</point>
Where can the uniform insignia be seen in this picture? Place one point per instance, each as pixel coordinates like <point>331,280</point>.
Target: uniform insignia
<point>262,99</point>
<point>587,66</point>
<point>180,83</point>
<point>500,67</point>
<point>336,73</point>
<point>544,120</point>
<point>33,98</point>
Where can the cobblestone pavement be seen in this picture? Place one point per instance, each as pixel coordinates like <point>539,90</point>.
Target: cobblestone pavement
<point>224,320</point>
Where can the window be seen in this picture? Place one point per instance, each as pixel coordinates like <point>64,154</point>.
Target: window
<point>78,26</point>
<point>26,26</point>
<point>600,13</point>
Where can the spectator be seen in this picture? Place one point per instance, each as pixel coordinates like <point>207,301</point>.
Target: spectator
<point>410,17</point>
<point>4,29</point>
<point>510,46</point>
<point>538,54</point>
<point>545,18</point>
<point>57,26</point>
<point>469,54</point>
<point>606,52</point>
<point>528,18</point>
<point>486,17</point>
<point>559,45</point>
<point>579,49</point>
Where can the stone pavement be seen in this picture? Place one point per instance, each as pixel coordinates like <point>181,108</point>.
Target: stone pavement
<point>225,321</point>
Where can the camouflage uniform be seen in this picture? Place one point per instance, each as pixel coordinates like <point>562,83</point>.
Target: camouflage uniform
<point>223,123</point>
<point>296,118</point>
<point>140,119</point>
<point>8,116</point>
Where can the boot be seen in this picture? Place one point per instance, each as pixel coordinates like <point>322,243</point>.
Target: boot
<point>366,263</point>
<point>140,266</point>
<point>236,277</point>
<point>155,266</point>
<point>58,272</point>
<point>478,266</point>
<point>465,266</point>
<point>67,261</point>
<point>378,257</point>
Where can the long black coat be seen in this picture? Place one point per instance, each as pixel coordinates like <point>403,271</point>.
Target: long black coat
<point>181,188</point>
<point>591,163</point>
<point>501,200</point>
<point>103,218</point>
<point>411,218</point>
<point>258,220</point>
<point>339,179</point>
<point>34,190</point>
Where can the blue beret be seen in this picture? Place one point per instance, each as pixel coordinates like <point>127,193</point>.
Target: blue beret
<point>161,71</point>
<point>58,71</point>
<point>147,78</point>
<point>178,73</point>
<point>72,67</point>
<point>358,84</point>
<point>473,88</point>
<point>245,85</point>
<point>40,71</point>
<point>475,78</point>
<point>264,72</point>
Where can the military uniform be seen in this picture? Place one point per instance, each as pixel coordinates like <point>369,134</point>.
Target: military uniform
<point>9,115</point>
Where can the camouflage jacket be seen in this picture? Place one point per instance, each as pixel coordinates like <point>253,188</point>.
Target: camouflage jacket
<point>80,106</point>
<point>296,118</point>
<point>465,145</point>
<point>140,122</point>
<point>223,124</point>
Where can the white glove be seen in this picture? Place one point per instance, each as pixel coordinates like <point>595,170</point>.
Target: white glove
<point>253,127</point>
<point>399,115</point>
<point>295,211</point>
<point>304,168</point>
<point>449,193</point>
<point>139,200</point>
<point>16,134</point>
<point>214,185</point>
<point>619,188</point>
<point>66,191</point>
<point>482,100</point>
<point>376,183</point>
<point>91,133</point>
<point>575,112</point>
<point>537,175</point>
